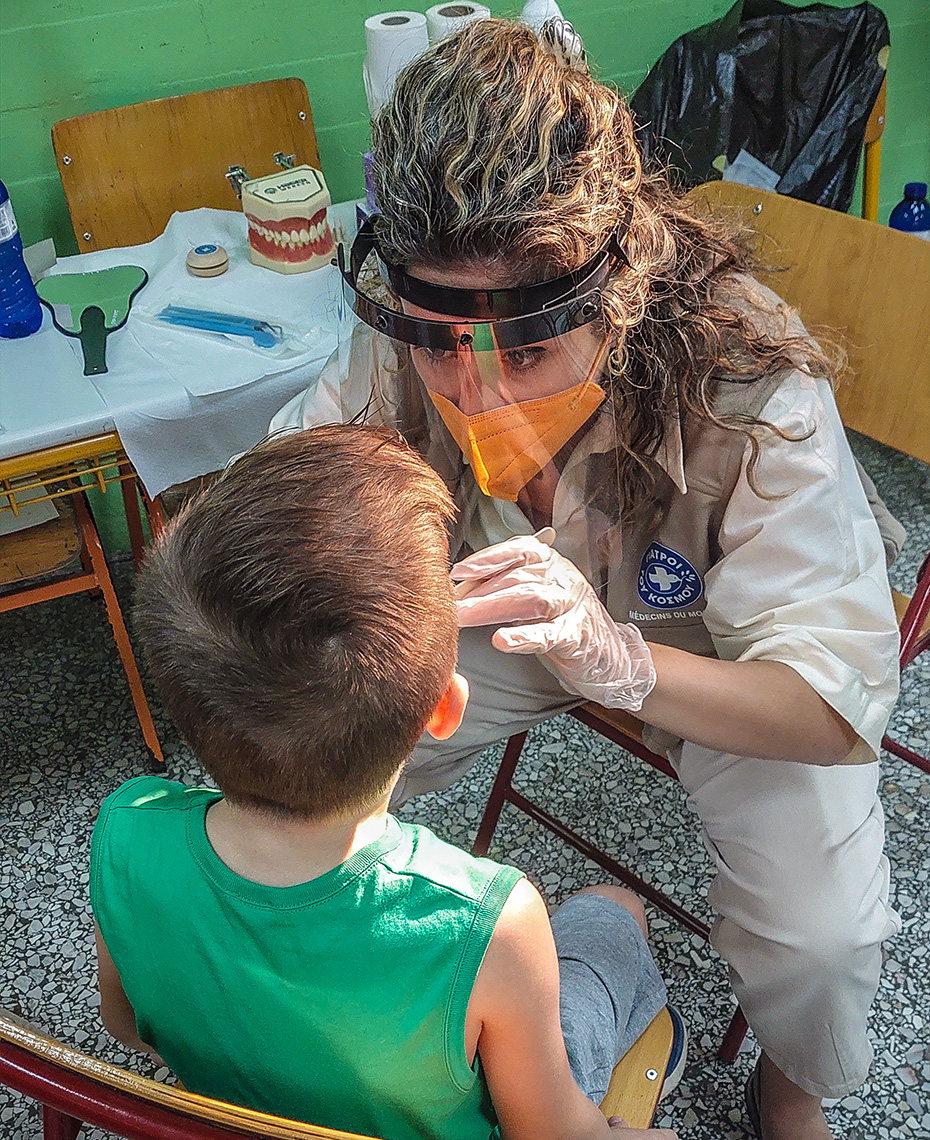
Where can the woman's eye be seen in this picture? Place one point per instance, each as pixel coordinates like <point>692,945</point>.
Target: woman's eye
<point>524,359</point>
<point>436,356</point>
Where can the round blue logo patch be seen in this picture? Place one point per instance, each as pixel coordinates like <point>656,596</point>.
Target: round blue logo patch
<point>666,580</point>
<point>205,249</point>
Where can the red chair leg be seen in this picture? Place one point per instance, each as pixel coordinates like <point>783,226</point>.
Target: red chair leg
<point>915,640</point>
<point>58,1125</point>
<point>502,785</point>
<point>118,626</point>
<point>912,643</point>
<point>903,753</point>
<point>658,898</point>
<point>733,1037</point>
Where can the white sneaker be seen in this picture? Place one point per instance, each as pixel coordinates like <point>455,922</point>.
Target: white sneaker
<point>679,1055</point>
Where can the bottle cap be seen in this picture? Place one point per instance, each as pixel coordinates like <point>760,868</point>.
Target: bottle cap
<point>915,190</point>
<point>207,260</point>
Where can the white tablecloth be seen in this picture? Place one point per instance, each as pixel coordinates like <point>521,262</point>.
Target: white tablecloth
<point>182,402</point>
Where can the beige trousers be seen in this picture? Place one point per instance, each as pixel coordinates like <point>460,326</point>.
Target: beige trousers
<point>801,891</point>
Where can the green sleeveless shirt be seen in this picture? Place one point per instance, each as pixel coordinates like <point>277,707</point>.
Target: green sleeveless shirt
<point>340,1001</point>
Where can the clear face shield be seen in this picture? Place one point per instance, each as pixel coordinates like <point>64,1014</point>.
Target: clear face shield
<point>513,373</point>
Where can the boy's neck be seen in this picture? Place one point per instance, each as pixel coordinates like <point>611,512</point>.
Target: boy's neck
<point>286,852</point>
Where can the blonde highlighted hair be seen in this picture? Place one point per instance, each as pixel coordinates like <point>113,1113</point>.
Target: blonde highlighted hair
<point>494,154</point>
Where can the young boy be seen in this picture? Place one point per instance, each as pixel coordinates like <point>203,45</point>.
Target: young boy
<point>284,942</point>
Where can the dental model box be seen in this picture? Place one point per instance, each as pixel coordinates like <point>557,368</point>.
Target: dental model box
<point>286,211</point>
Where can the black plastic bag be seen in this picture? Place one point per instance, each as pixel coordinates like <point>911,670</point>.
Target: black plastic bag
<point>793,87</point>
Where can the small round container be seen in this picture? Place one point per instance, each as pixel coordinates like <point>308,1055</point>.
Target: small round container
<point>207,260</point>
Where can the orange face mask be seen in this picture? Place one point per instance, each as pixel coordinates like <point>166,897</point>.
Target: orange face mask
<point>507,446</point>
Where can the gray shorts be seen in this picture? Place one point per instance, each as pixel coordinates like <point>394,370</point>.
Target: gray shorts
<point>610,989</point>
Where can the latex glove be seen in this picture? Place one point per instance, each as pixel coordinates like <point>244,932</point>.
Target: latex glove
<point>558,616</point>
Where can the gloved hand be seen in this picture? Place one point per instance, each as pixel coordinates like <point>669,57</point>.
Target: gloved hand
<point>560,618</point>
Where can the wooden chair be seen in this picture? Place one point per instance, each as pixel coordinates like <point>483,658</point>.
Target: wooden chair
<point>871,284</point>
<point>126,170</point>
<point>74,1088</point>
<point>64,555</point>
<point>867,282</point>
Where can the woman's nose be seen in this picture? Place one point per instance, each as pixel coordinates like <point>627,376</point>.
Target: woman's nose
<point>477,395</point>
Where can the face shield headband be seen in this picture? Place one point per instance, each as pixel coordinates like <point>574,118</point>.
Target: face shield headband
<point>511,372</point>
<point>525,315</point>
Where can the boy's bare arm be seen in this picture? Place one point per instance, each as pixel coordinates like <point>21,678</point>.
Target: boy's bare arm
<point>516,998</point>
<point>117,1015</point>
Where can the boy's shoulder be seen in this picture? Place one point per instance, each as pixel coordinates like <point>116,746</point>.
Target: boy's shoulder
<point>140,823</point>
<point>425,855</point>
<point>155,793</point>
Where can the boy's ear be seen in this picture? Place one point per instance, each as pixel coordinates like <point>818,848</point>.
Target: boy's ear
<point>447,715</point>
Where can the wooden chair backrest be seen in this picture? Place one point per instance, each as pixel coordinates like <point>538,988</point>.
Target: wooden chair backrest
<point>865,281</point>
<point>75,1084</point>
<point>93,1091</point>
<point>126,170</point>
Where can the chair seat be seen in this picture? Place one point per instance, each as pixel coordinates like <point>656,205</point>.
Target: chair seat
<point>623,721</point>
<point>636,1082</point>
<point>42,549</point>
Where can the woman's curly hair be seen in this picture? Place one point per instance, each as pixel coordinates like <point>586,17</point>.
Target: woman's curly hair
<point>493,153</point>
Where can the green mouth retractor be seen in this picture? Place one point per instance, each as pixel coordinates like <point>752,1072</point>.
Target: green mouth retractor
<point>90,306</point>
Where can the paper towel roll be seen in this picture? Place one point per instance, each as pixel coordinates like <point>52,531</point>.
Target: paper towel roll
<point>537,12</point>
<point>444,19</point>
<point>393,39</point>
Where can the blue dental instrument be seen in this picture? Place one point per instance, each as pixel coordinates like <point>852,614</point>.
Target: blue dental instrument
<point>262,334</point>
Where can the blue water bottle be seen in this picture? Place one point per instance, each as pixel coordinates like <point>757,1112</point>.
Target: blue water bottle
<point>20,311</point>
<point>912,213</point>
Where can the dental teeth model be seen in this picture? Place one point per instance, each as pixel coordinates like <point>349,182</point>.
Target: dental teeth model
<point>286,211</point>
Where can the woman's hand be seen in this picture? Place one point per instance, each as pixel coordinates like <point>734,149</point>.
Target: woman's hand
<point>554,613</point>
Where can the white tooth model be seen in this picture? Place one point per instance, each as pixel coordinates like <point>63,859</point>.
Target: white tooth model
<point>286,211</point>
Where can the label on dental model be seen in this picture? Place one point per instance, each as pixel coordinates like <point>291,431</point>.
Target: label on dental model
<point>293,185</point>
<point>286,212</point>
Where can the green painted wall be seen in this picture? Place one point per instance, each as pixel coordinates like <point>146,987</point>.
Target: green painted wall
<point>65,57</point>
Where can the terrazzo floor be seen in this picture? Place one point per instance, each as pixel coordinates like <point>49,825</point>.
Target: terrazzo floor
<point>68,736</point>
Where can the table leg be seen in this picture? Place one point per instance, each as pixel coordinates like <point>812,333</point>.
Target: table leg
<point>129,487</point>
<point>120,634</point>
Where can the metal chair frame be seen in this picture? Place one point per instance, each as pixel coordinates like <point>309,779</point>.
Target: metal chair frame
<point>503,791</point>
<point>75,1089</point>
<point>915,639</point>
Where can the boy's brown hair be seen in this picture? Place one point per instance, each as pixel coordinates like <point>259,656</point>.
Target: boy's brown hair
<point>299,621</point>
